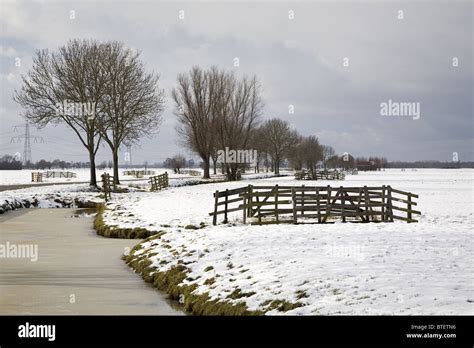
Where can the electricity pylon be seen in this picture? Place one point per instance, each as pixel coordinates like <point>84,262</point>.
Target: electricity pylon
<point>26,141</point>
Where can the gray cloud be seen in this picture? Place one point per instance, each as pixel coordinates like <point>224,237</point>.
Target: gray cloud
<point>298,62</point>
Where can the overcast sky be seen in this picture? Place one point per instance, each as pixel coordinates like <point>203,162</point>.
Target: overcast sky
<point>298,61</point>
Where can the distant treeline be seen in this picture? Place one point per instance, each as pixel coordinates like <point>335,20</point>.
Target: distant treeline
<point>9,162</point>
<point>429,164</point>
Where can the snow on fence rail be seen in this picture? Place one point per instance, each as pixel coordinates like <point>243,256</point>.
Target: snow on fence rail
<point>159,182</point>
<point>321,204</point>
<point>320,175</point>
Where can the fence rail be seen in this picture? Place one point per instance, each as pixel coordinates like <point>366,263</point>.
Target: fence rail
<point>320,175</point>
<point>315,204</point>
<point>139,173</point>
<point>60,174</point>
<point>159,182</point>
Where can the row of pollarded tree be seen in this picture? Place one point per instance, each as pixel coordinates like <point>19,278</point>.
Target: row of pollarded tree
<point>347,161</point>
<point>276,142</point>
<point>102,91</point>
<point>217,110</point>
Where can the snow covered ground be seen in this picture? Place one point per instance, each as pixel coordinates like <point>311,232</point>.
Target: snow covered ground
<point>385,268</point>
<point>18,177</point>
<point>57,196</point>
<point>51,196</point>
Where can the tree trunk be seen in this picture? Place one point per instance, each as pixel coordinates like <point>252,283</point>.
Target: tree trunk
<point>116,170</point>
<point>206,168</point>
<point>231,172</point>
<point>214,162</point>
<point>93,178</point>
<point>277,166</point>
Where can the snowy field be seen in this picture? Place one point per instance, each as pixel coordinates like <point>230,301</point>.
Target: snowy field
<point>19,177</point>
<point>384,268</point>
<point>57,196</point>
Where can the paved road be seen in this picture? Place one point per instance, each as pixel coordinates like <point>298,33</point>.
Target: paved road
<point>73,264</point>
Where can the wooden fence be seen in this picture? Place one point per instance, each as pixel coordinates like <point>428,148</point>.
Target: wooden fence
<point>191,172</point>
<point>138,173</point>
<point>315,204</point>
<point>108,186</point>
<point>60,174</point>
<point>159,182</point>
<point>36,177</point>
<point>320,175</point>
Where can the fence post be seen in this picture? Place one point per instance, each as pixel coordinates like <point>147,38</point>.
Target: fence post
<point>343,203</point>
<point>244,208</point>
<point>409,207</point>
<point>109,186</point>
<point>216,200</point>
<point>258,210</point>
<point>104,185</point>
<point>303,192</point>
<point>276,203</point>
<point>366,195</point>
<point>389,203</point>
<point>328,203</point>
<point>293,197</point>
<point>318,204</point>
<point>249,200</point>
<point>226,204</point>
<point>383,203</point>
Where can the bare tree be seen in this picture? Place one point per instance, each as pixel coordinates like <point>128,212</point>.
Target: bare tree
<point>295,155</point>
<point>238,107</point>
<point>258,143</point>
<point>326,152</point>
<point>133,104</point>
<point>177,162</point>
<point>216,110</point>
<point>59,85</point>
<point>279,138</point>
<point>311,152</point>
<point>194,96</point>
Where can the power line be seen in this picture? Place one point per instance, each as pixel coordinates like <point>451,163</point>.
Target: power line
<point>26,141</point>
